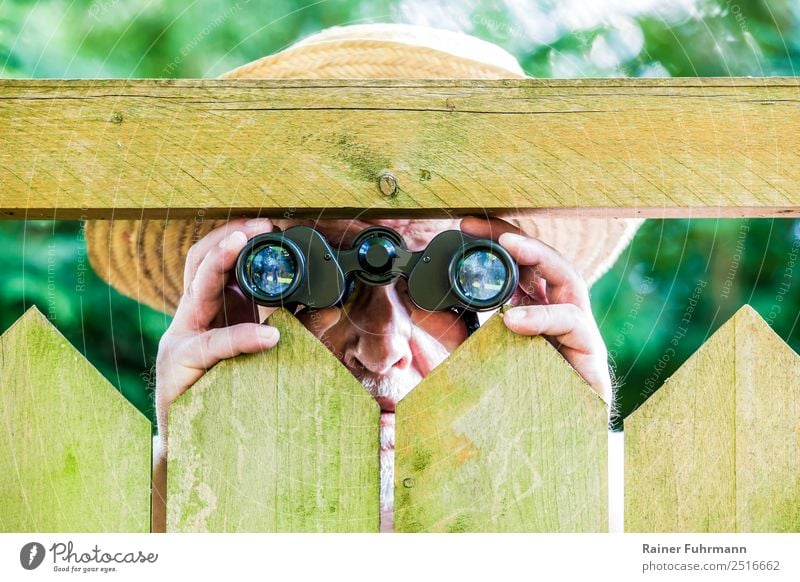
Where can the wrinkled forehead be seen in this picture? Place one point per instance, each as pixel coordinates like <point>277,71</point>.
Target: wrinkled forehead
<point>417,233</point>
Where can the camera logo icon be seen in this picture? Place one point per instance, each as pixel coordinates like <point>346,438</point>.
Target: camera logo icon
<point>31,555</point>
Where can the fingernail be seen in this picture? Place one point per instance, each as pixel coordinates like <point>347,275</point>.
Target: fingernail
<point>256,222</point>
<point>233,241</point>
<point>267,333</point>
<point>515,314</point>
<point>514,238</point>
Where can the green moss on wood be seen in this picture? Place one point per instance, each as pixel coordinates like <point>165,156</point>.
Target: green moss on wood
<point>75,456</point>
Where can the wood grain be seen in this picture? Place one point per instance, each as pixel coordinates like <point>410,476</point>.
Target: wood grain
<point>504,436</point>
<point>75,456</point>
<point>717,448</point>
<point>283,441</point>
<point>211,148</point>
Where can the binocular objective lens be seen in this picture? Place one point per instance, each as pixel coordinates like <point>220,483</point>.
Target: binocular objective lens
<point>272,270</point>
<point>481,275</point>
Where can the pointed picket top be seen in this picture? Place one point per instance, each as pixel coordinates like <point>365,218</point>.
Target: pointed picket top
<point>717,448</point>
<point>281,441</point>
<point>503,436</point>
<point>75,455</point>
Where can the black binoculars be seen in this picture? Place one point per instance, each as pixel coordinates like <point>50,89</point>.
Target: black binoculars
<point>297,266</point>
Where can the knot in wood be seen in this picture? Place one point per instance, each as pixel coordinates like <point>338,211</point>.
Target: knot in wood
<point>387,184</point>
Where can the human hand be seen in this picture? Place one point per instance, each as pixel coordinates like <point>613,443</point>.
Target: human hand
<point>552,300</point>
<point>214,320</point>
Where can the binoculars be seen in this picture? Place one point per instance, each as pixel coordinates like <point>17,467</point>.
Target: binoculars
<point>298,266</point>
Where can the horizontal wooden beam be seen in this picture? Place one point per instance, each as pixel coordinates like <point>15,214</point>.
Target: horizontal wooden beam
<point>612,147</point>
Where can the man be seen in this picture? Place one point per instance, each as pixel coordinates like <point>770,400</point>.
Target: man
<point>378,333</point>
<point>382,338</point>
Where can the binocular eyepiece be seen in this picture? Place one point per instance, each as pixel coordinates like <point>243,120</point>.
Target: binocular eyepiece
<point>456,271</point>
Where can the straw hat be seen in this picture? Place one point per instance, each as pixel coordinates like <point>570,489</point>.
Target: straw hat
<point>144,259</point>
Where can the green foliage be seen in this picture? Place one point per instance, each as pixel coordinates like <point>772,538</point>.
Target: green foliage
<point>44,263</point>
<point>141,38</point>
<point>680,280</point>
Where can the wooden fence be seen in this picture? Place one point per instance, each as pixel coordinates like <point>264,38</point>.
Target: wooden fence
<point>74,454</point>
<point>717,448</point>
<point>503,436</point>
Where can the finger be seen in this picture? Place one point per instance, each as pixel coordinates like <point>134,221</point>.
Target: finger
<point>206,349</point>
<point>573,333</point>
<point>182,361</point>
<point>203,299</point>
<point>237,307</point>
<point>531,290</point>
<point>564,284</point>
<point>491,228</point>
<point>202,247</point>
<point>565,322</point>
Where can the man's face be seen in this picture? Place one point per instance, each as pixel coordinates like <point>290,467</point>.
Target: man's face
<point>387,342</point>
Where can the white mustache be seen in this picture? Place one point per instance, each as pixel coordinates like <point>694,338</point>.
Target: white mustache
<point>387,387</point>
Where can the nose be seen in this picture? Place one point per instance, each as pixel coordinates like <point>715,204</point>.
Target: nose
<point>383,331</point>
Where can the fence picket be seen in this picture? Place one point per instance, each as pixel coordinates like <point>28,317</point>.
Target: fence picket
<point>717,448</point>
<point>285,440</point>
<point>74,454</point>
<point>502,436</point>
